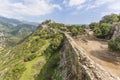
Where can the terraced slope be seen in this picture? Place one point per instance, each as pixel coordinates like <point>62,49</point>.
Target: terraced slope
<point>36,58</point>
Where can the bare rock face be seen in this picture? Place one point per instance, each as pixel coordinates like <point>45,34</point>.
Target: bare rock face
<point>115,31</point>
<point>2,40</point>
<point>76,64</point>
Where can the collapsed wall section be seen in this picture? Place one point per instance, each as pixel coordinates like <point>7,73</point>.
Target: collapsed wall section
<point>76,65</point>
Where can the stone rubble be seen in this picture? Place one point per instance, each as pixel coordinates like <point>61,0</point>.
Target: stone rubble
<point>76,64</point>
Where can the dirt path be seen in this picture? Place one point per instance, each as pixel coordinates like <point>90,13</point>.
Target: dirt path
<point>98,51</point>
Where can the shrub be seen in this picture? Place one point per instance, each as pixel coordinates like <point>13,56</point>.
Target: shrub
<point>76,30</point>
<point>93,25</point>
<point>114,44</point>
<point>16,72</point>
<point>110,18</point>
<point>103,30</point>
<point>29,58</point>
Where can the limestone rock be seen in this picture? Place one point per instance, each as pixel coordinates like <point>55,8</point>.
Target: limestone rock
<point>115,31</point>
<point>76,64</point>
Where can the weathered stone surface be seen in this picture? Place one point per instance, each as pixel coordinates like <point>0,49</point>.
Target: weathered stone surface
<point>115,31</point>
<point>76,64</point>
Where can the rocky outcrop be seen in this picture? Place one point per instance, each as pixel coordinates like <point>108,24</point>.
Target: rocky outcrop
<point>2,40</point>
<point>76,65</point>
<point>115,31</point>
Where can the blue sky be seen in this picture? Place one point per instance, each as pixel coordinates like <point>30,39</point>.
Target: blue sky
<point>65,11</point>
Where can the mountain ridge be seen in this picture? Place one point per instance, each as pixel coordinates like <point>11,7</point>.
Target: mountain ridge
<point>15,30</point>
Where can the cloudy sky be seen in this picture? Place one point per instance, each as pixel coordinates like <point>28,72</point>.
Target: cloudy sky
<point>66,11</point>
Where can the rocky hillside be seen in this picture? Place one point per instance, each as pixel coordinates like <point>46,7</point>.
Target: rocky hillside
<point>15,30</point>
<point>115,30</point>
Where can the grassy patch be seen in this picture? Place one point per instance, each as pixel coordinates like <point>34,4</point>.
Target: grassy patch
<point>31,68</point>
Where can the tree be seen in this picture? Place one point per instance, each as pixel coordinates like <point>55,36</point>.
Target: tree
<point>74,31</point>
<point>114,44</point>
<point>93,25</point>
<point>103,30</point>
<point>83,26</point>
<point>119,17</point>
<point>110,18</point>
<point>97,32</point>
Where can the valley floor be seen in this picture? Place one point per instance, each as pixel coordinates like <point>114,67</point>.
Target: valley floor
<point>98,51</point>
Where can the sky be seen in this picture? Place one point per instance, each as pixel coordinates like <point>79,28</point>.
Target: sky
<point>64,11</point>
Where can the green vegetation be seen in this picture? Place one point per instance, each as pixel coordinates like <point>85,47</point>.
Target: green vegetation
<point>21,54</point>
<point>110,18</point>
<point>94,25</point>
<point>15,30</point>
<point>115,44</point>
<point>52,54</point>
<point>74,29</point>
<point>32,68</point>
<point>37,54</point>
<point>37,57</point>
<point>102,29</point>
<point>58,26</point>
<point>29,58</point>
<point>15,73</point>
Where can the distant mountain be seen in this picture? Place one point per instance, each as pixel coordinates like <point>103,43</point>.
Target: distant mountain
<point>11,23</point>
<point>15,30</point>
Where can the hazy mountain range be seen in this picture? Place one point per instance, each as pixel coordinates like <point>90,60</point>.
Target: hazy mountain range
<point>15,30</point>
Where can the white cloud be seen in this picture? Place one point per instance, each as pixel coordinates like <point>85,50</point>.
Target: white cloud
<point>110,6</point>
<point>113,7</point>
<point>75,3</point>
<point>86,4</point>
<point>102,2</point>
<point>98,3</point>
<point>26,8</point>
